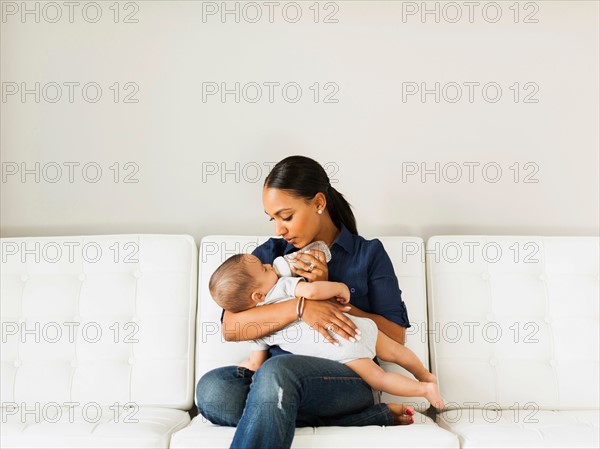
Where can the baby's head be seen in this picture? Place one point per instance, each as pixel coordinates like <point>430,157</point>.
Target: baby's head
<point>241,282</point>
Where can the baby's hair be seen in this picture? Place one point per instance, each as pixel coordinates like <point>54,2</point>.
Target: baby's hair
<point>231,285</point>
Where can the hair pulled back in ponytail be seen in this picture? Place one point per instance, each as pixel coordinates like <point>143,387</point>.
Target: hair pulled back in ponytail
<point>304,177</point>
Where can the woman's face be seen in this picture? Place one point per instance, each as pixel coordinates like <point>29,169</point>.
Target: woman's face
<point>295,220</point>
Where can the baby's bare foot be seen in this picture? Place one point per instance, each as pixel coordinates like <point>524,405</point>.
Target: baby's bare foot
<point>402,413</point>
<point>432,394</point>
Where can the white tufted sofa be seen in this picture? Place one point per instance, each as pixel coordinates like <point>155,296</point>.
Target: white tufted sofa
<point>513,340</point>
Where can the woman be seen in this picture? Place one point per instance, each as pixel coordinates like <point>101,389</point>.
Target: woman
<point>292,390</point>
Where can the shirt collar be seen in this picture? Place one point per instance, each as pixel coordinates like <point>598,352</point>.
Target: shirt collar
<point>344,239</point>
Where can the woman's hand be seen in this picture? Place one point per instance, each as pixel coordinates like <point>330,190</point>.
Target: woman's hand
<point>311,265</point>
<point>326,316</point>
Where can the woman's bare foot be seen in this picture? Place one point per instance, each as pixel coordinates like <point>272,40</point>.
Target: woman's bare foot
<point>402,413</point>
<point>432,394</point>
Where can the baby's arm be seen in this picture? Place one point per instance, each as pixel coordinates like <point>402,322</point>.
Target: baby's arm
<point>256,359</point>
<point>323,290</point>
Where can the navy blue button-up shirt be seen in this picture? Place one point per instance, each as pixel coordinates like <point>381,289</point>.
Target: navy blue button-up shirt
<point>363,265</point>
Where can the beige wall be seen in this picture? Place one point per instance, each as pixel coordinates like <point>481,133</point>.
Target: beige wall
<point>377,133</point>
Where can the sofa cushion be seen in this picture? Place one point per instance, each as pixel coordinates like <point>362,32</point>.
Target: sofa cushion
<point>92,427</point>
<point>96,321</point>
<point>514,338</point>
<point>423,434</point>
<point>515,320</point>
<point>213,351</point>
<point>515,428</point>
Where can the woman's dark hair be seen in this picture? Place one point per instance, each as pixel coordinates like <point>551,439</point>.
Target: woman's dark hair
<point>304,177</point>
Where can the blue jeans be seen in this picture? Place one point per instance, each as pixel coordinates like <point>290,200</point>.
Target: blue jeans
<point>288,391</point>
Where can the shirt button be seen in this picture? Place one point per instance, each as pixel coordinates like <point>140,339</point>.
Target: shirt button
<point>352,290</point>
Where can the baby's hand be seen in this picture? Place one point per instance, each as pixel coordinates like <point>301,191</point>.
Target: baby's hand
<point>344,296</point>
<point>342,300</point>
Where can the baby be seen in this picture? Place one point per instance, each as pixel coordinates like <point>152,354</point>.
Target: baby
<point>243,282</point>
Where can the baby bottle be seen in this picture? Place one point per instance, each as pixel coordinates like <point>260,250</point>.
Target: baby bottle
<point>281,264</point>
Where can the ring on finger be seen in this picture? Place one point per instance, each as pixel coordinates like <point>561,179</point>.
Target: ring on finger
<point>330,327</point>
<point>310,267</point>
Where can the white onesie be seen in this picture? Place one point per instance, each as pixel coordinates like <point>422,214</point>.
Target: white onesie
<point>301,339</point>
